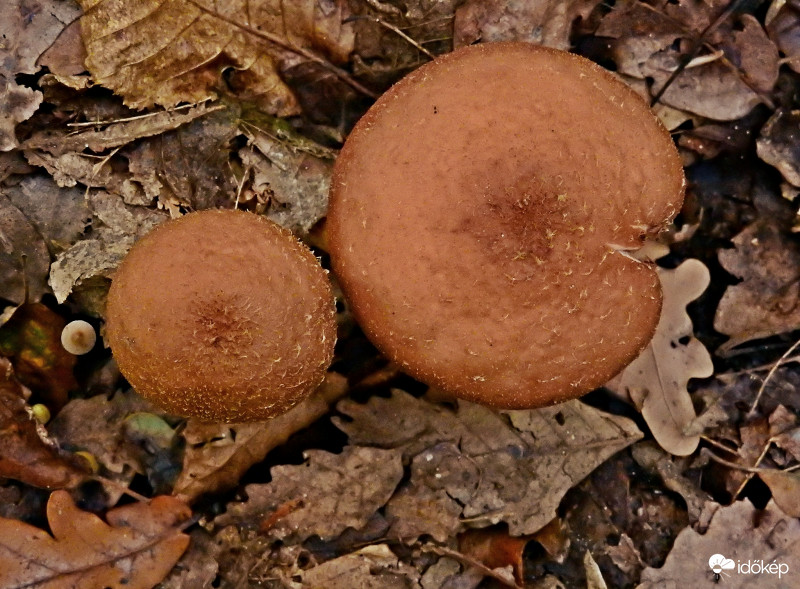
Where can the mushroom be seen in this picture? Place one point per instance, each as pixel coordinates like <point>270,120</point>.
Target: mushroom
<point>78,337</point>
<point>481,218</point>
<point>221,315</point>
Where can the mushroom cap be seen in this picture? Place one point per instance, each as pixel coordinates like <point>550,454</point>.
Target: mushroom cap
<point>221,315</point>
<point>479,217</point>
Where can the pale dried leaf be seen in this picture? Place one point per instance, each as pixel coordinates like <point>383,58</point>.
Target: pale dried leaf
<point>741,533</point>
<point>136,548</point>
<point>323,497</point>
<point>27,29</point>
<point>542,22</point>
<point>217,455</point>
<point>19,240</point>
<point>657,379</point>
<point>765,303</point>
<point>166,53</point>
<point>513,466</point>
<point>594,577</point>
<point>117,228</point>
<point>373,567</point>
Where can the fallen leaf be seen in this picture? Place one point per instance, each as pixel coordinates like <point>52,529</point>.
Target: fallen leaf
<point>777,144</point>
<point>496,549</point>
<point>190,166</point>
<point>217,455</point>
<point>180,51</point>
<point>594,577</point>
<point>765,303</point>
<point>448,573</point>
<point>198,567</point>
<point>371,567</point>
<point>59,215</point>
<point>135,550</point>
<point>27,29</point>
<point>513,466</point>
<point>322,497</point>
<point>290,174</point>
<point>20,241</point>
<point>742,534</point>
<point>31,339</point>
<point>783,27</point>
<point>755,55</point>
<point>785,488</point>
<point>103,135</point>
<point>542,22</point>
<point>27,453</point>
<point>115,228</point>
<point>657,379</point>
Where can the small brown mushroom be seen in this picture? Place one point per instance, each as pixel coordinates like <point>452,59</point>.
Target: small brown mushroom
<point>222,315</point>
<point>480,216</point>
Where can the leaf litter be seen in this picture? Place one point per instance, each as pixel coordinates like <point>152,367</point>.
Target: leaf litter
<point>85,177</point>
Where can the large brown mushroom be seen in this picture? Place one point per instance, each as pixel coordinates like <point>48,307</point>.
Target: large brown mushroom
<point>481,216</point>
<point>222,315</point>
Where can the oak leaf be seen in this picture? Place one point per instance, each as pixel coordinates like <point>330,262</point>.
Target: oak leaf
<point>657,379</point>
<point>135,549</point>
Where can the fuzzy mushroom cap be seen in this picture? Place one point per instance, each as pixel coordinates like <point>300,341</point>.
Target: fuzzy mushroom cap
<point>221,315</point>
<point>480,214</point>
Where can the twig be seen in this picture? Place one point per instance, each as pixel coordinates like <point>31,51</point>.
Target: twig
<point>146,115</point>
<point>770,374</point>
<point>395,30</point>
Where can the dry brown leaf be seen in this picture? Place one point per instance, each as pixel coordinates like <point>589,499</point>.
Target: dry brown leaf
<point>115,227</point>
<point>785,488</point>
<point>741,534</point>
<point>114,133</point>
<point>765,303</point>
<point>373,567</point>
<point>513,466</point>
<point>27,29</point>
<point>323,497</point>
<point>777,144</point>
<point>135,550</point>
<point>170,52</point>
<point>783,26</point>
<point>21,240</point>
<point>657,379</point>
<point>290,175</point>
<point>27,454</point>
<point>543,22</point>
<point>217,455</point>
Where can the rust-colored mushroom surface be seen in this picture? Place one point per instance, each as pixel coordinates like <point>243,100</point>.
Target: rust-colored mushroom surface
<point>222,315</point>
<point>480,216</point>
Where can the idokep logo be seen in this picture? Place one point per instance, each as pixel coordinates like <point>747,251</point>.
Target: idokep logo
<point>719,564</point>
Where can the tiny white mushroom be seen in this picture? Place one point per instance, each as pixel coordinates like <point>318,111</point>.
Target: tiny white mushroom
<point>78,337</point>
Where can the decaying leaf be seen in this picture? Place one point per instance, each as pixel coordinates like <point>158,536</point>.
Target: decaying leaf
<point>179,51</point>
<point>783,26</point>
<point>27,454</point>
<point>541,21</point>
<point>765,303</point>
<point>290,174</point>
<point>135,550</point>
<point>24,258</point>
<point>785,488</point>
<point>27,29</point>
<point>778,146</point>
<point>742,534</point>
<point>657,379</point>
<point>217,455</point>
<point>31,338</point>
<point>371,567</point>
<point>323,496</point>
<point>117,227</point>
<point>106,135</point>
<point>512,466</point>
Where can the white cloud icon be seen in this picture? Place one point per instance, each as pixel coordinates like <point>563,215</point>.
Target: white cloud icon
<point>718,563</point>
